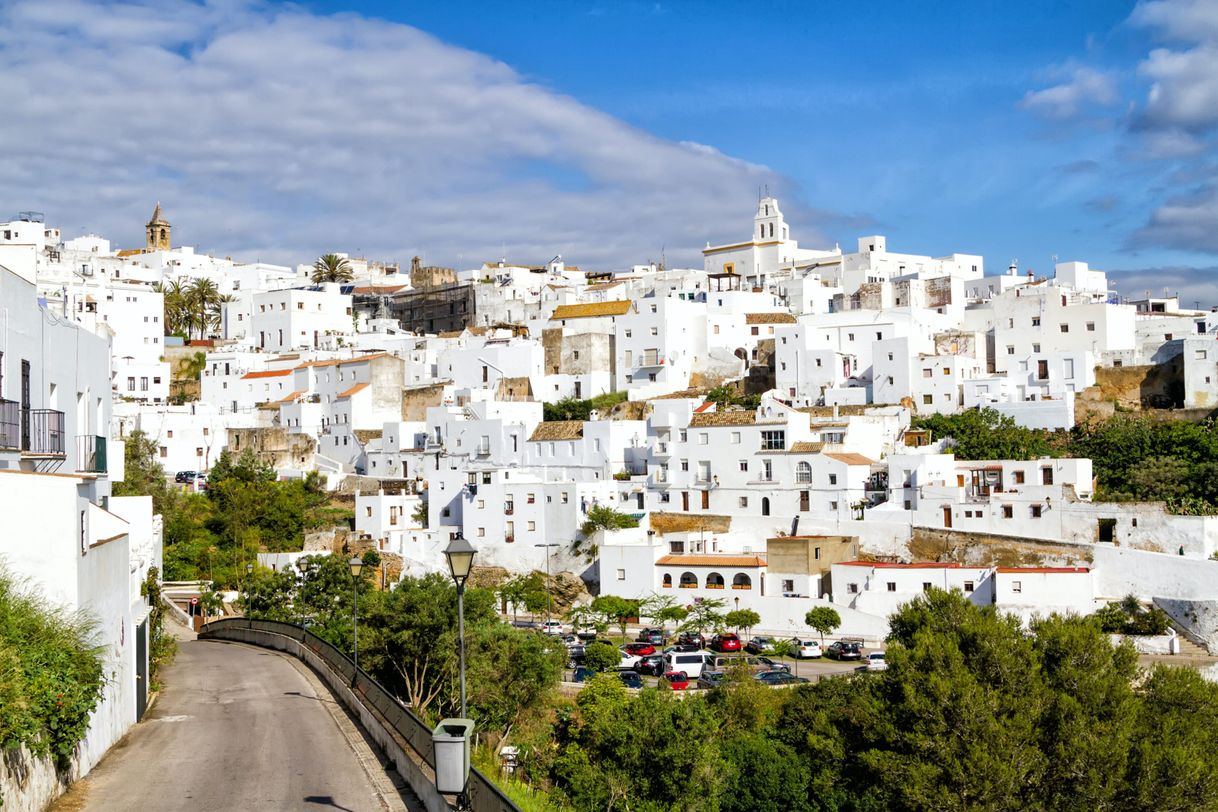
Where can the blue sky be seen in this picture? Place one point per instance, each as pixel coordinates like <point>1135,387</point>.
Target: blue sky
<point>611,131</point>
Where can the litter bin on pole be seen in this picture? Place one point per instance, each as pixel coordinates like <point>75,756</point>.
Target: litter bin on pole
<point>450,754</point>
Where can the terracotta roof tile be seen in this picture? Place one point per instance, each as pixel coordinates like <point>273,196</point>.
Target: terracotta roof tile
<point>359,387</point>
<point>804,447</point>
<point>591,310</point>
<point>558,430</point>
<point>889,565</point>
<point>851,459</point>
<point>1034,570</point>
<point>769,318</point>
<point>338,361</point>
<point>712,561</point>
<point>703,419</point>
<point>268,373</point>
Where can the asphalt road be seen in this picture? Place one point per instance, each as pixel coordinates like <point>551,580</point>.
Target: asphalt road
<point>241,728</point>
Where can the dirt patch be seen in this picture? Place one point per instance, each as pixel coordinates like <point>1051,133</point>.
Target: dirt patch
<point>986,550</point>
<point>682,523</point>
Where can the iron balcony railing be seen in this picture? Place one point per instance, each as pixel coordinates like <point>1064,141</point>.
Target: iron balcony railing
<point>91,454</point>
<point>10,425</point>
<point>42,432</point>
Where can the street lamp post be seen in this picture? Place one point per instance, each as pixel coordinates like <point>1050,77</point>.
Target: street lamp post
<point>460,555</point>
<point>357,566</point>
<point>549,594</point>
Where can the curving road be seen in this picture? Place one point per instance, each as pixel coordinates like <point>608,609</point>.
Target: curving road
<point>241,728</point>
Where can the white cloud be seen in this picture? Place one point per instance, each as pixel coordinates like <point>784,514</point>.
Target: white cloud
<point>1186,222</point>
<point>1184,88</point>
<point>1194,286</point>
<point>1187,20</point>
<point>274,133</point>
<point>1081,88</point>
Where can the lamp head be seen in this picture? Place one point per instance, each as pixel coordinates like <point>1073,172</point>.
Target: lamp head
<point>460,555</point>
<point>357,566</point>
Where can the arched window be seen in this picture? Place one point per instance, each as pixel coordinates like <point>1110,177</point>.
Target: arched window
<point>742,581</point>
<point>765,506</point>
<point>771,229</point>
<point>667,581</point>
<point>714,581</point>
<point>803,472</point>
<point>688,580</point>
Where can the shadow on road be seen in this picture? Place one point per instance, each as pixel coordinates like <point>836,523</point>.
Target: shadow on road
<point>325,800</point>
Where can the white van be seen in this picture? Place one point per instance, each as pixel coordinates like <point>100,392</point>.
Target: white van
<point>690,663</point>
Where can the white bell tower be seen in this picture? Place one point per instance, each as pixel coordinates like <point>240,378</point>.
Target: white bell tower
<point>768,225</point>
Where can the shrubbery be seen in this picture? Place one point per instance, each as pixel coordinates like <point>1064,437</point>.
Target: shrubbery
<point>51,675</point>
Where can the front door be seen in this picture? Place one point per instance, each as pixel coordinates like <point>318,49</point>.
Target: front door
<point>706,500</point>
<point>947,517</point>
<point>141,670</point>
<point>684,500</point>
<point>804,500</point>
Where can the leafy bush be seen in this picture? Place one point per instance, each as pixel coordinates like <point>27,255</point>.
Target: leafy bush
<point>51,675</point>
<point>1129,617</point>
<point>601,657</point>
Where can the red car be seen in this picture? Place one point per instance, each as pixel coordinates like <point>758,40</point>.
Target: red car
<point>677,680</point>
<point>639,649</point>
<point>725,642</point>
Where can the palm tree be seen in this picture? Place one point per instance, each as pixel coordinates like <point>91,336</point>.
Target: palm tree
<point>203,301</point>
<point>332,268</point>
<point>177,315</point>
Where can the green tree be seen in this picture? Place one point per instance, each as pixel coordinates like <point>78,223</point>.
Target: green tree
<point>985,434</point>
<point>142,475</point>
<point>705,615</point>
<point>602,517</point>
<point>763,774</point>
<point>616,609</point>
<point>739,619</point>
<point>332,268</point>
<point>601,656</point>
<point>823,619</point>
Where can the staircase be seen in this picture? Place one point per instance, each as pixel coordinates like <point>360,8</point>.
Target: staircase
<point>1190,649</point>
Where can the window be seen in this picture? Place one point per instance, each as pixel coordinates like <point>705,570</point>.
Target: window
<point>773,440</point>
<point>744,501</point>
<point>481,532</point>
<point>832,479</point>
<point>1036,510</point>
<point>169,434</point>
<point>621,575</point>
<point>131,384</point>
<point>892,586</point>
<point>744,465</point>
<point>530,499</point>
<point>788,586</point>
<point>753,330</point>
<point>1107,529</point>
<point>481,504</point>
<point>735,438</point>
<point>926,586</point>
<point>564,497</point>
<point>164,451</point>
<point>926,373</point>
<point>1065,328</point>
<point>852,588</point>
<point>767,471</point>
<point>968,586</point>
<point>928,399</point>
<point>667,582</point>
<point>803,472</point>
<point>1019,477</point>
<point>1017,586</point>
<point>655,331</point>
<point>850,336</point>
<point>684,465</point>
<point>1046,476</point>
<point>1008,512</point>
<point>1036,321</point>
<point>703,438</point>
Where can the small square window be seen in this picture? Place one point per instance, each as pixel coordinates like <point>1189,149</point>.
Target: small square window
<point>621,575</point>
<point>1017,586</point>
<point>1036,511</point>
<point>1090,327</point>
<point>968,586</point>
<point>744,501</point>
<point>926,586</point>
<point>892,586</point>
<point>852,588</point>
<point>1065,328</point>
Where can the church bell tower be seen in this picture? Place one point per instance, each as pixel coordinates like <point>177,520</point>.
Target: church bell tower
<point>157,231</point>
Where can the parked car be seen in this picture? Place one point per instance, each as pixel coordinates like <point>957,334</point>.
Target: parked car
<point>711,679</point>
<point>760,645</point>
<point>653,636</point>
<point>725,662</point>
<point>677,680</point>
<point>805,649</point>
<point>552,627</point>
<point>630,679</point>
<point>844,650</point>
<point>691,663</point>
<point>691,639</point>
<point>876,661</point>
<point>575,654</point>
<point>185,476</point>
<point>651,665</point>
<point>725,642</point>
<point>582,674</point>
<point>629,661</point>
<point>587,635</point>
<point>779,678</point>
<point>773,665</point>
<point>639,649</point>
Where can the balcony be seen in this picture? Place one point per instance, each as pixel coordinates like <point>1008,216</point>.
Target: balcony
<point>648,359</point>
<point>42,433</point>
<point>661,450</point>
<point>10,425</point>
<point>91,454</point>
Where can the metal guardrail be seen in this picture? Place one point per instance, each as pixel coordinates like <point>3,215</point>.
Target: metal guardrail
<point>483,795</point>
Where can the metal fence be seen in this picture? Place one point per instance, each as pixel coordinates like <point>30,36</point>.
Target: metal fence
<point>483,795</point>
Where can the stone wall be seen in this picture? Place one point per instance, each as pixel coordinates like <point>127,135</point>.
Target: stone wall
<point>990,550</point>
<point>417,399</point>
<point>274,446</point>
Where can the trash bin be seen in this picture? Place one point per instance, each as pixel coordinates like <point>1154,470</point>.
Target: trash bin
<point>450,754</point>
